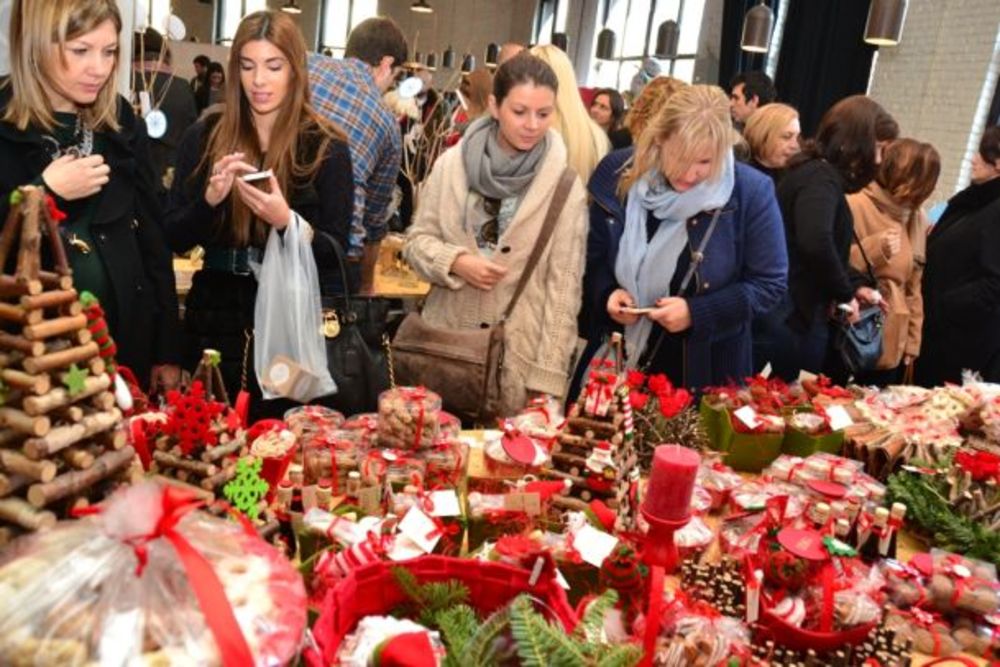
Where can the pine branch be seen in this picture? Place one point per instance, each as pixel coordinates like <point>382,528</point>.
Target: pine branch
<point>458,625</point>
<point>591,627</point>
<point>621,655</point>
<point>530,641</point>
<point>478,650</point>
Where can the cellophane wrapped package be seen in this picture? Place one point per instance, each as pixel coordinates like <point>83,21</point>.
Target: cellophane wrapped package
<point>148,580</point>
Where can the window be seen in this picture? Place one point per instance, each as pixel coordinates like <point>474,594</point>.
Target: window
<point>550,17</point>
<point>157,15</point>
<point>231,12</point>
<point>337,23</point>
<point>635,23</point>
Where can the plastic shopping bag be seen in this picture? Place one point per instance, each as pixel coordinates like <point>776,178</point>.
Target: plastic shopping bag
<point>289,350</point>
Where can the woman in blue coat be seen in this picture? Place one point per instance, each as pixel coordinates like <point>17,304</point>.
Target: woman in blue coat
<point>683,288</point>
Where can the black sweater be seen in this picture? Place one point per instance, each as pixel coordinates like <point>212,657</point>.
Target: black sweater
<point>818,230</point>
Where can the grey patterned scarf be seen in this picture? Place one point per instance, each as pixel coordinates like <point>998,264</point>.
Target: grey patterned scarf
<point>492,171</point>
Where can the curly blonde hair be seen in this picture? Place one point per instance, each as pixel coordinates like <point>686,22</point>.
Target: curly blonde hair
<point>649,102</point>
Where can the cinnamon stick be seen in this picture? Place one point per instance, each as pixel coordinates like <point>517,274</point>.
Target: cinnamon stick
<point>19,315</point>
<point>73,482</point>
<point>97,366</point>
<point>22,513</point>
<point>18,420</point>
<point>55,327</point>
<point>78,457</point>
<point>55,280</point>
<point>62,359</point>
<point>36,384</point>
<point>64,436</point>
<point>11,286</point>
<point>60,397</point>
<point>72,414</point>
<point>13,483</point>
<point>213,454</point>
<point>48,299</point>
<point>104,401</point>
<point>200,468</point>
<point>224,476</point>
<point>31,348</point>
<point>14,462</point>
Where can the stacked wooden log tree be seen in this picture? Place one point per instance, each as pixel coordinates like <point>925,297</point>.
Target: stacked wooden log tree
<point>60,442</point>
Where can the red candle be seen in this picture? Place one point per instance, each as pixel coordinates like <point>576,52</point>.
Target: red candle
<point>671,482</point>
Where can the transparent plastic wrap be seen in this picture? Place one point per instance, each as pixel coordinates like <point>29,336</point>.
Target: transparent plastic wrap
<point>148,581</point>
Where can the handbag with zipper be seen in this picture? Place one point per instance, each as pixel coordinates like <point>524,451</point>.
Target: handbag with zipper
<point>465,366</point>
<point>859,345</point>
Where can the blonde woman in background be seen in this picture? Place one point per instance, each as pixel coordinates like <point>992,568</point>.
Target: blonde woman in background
<point>772,133</point>
<point>649,102</point>
<point>586,143</point>
<point>892,229</point>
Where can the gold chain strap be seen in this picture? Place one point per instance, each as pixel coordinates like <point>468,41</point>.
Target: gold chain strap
<point>388,358</point>
<point>248,335</point>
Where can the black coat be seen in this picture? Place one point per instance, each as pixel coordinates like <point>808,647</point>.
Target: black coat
<point>127,228</point>
<point>961,288</point>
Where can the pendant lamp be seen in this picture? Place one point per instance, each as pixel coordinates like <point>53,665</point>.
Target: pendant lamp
<point>667,37</point>
<point>757,26</point>
<point>432,61</point>
<point>561,40</point>
<point>421,7</point>
<point>606,38</point>
<point>291,7</point>
<point>468,63</point>
<point>885,22</point>
<point>448,58</point>
<point>492,53</point>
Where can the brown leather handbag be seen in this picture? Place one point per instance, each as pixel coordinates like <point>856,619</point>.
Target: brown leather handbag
<point>464,366</point>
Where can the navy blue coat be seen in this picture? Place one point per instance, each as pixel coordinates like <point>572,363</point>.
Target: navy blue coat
<point>744,272</point>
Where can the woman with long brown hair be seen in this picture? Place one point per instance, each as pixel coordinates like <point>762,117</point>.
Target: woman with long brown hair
<point>267,124</point>
<point>63,125</point>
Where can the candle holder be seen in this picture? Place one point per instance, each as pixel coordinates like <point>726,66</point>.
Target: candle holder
<point>659,552</point>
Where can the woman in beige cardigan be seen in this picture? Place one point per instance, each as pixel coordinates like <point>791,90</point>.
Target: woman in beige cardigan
<point>480,213</point>
<point>893,231</point>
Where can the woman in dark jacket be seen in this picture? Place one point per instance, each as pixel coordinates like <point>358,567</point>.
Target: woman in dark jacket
<point>640,251</point>
<point>269,124</point>
<point>961,285</point>
<point>819,230</point>
<point>64,127</point>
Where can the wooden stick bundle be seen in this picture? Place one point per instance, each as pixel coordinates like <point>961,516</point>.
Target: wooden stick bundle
<point>36,384</point>
<point>73,482</point>
<point>22,513</point>
<point>38,301</point>
<point>55,327</point>
<point>59,397</point>
<point>63,436</point>
<point>200,468</point>
<point>18,420</point>
<point>61,359</point>
<point>15,463</point>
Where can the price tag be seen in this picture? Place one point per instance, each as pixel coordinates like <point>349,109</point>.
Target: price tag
<point>513,502</point>
<point>404,549</point>
<point>839,419</point>
<point>594,545</point>
<point>748,416</point>
<point>420,529</point>
<point>445,503</point>
<point>766,371</point>
<point>532,504</point>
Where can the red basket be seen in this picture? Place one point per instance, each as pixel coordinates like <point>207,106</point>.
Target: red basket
<point>788,635</point>
<point>372,589</point>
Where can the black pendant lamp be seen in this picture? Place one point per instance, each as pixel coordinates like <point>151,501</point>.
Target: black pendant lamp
<point>757,26</point>
<point>421,7</point>
<point>468,63</point>
<point>561,40</point>
<point>291,7</point>
<point>432,61</point>
<point>667,37</point>
<point>492,54</point>
<point>885,22</point>
<point>448,58</point>
<point>606,38</point>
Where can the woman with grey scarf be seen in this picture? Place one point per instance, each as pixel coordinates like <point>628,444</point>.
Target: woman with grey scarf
<point>480,213</point>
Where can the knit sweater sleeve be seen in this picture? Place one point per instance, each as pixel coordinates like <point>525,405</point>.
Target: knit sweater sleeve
<point>426,249</point>
<point>563,292</point>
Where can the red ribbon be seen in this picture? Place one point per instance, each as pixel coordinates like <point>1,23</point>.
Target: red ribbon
<point>212,600</point>
<point>418,394</point>
<point>141,443</point>
<point>826,612</point>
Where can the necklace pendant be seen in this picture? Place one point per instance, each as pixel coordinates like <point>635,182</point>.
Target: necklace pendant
<point>81,246</point>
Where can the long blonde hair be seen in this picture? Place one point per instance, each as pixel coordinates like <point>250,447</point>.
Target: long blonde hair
<point>296,120</point>
<point>39,30</point>
<point>698,116</point>
<point>649,102</point>
<point>764,127</point>
<point>586,143</point>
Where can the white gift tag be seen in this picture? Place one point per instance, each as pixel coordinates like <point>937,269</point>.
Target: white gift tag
<point>420,529</point>
<point>748,416</point>
<point>445,503</point>
<point>594,545</point>
<point>839,419</point>
<point>404,549</point>
<point>766,371</point>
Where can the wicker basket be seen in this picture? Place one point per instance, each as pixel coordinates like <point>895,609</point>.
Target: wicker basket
<point>372,590</point>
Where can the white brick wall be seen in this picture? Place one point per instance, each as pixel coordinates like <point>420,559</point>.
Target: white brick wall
<point>939,81</point>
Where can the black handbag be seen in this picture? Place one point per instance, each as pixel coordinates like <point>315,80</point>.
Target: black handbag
<point>859,345</point>
<point>354,330</point>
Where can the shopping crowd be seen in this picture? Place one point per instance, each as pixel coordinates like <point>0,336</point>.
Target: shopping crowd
<point>698,222</point>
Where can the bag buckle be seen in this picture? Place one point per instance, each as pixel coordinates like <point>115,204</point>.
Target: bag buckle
<point>331,323</point>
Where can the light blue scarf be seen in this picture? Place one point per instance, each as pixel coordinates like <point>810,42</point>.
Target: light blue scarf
<point>645,269</point>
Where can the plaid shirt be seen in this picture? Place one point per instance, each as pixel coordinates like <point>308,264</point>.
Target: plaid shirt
<point>344,91</point>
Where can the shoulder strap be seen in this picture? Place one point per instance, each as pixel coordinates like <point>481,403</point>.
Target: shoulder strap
<point>548,226</point>
<point>864,256</point>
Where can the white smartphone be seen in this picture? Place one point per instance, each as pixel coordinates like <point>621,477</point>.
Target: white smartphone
<point>634,310</point>
<point>257,176</point>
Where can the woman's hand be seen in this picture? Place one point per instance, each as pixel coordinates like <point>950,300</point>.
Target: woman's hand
<point>75,178</point>
<point>224,172</point>
<point>867,296</point>
<point>478,271</point>
<point>270,207</point>
<point>672,313</point>
<point>621,299</point>
<point>890,243</point>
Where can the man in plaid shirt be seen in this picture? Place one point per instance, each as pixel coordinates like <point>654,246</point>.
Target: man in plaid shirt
<point>349,92</point>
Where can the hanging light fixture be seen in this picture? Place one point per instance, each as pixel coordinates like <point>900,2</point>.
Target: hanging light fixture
<point>468,63</point>
<point>291,7</point>
<point>885,22</point>
<point>421,7</point>
<point>561,40</point>
<point>432,61</point>
<point>757,26</point>
<point>667,37</point>
<point>606,38</point>
<point>448,58</point>
<point>492,54</point>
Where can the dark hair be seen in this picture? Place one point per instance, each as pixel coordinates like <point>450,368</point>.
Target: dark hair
<point>989,145</point>
<point>147,45</point>
<point>373,39</point>
<point>214,67</point>
<point>523,68</point>
<point>886,128</point>
<point>617,104</point>
<point>755,84</point>
<point>846,139</point>
<point>202,60</point>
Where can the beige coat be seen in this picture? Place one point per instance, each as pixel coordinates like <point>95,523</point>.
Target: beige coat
<point>541,332</point>
<point>875,212</point>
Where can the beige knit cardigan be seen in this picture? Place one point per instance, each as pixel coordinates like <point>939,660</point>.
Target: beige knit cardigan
<point>541,332</point>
